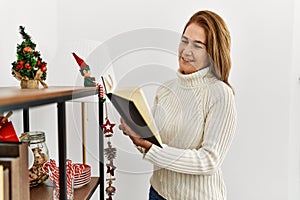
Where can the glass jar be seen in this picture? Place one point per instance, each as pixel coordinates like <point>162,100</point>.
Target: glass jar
<point>36,141</point>
<point>69,191</point>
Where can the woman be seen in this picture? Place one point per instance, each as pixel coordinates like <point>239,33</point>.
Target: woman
<point>195,115</point>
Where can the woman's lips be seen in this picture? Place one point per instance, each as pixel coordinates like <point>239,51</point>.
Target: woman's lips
<point>187,59</point>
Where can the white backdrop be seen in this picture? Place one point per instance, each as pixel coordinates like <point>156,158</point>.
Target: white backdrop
<point>263,162</point>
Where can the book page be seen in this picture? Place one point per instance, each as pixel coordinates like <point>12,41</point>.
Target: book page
<point>109,82</point>
<point>137,96</point>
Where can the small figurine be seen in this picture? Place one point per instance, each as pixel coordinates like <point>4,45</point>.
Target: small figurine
<point>85,72</point>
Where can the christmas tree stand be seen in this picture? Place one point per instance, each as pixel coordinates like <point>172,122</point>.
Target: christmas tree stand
<point>29,84</point>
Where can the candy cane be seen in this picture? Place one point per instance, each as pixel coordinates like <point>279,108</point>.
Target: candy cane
<point>54,176</point>
<point>79,169</point>
<point>53,170</point>
<point>53,166</point>
<point>45,168</point>
<point>101,91</point>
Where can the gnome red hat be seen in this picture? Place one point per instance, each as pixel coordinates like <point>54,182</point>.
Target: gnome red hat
<point>80,62</point>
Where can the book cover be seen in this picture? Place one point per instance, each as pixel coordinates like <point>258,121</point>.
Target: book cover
<point>12,164</point>
<point>132,105</point>
<point>1,182</point>
<point>6,184</point>
<point>9,149</point>
<point>16,160</point>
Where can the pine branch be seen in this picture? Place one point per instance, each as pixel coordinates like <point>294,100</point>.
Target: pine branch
<point>27,38</point>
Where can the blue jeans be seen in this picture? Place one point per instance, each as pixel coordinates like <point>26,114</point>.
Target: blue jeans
<point>153,195</point>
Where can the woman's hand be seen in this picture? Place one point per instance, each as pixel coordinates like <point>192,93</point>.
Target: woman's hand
<point>137,140</point>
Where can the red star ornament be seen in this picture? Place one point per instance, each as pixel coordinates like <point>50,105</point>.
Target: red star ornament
<point>108,128</point>
<point>111,168</point>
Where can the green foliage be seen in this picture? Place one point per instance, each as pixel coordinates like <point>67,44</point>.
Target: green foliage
<point>28,61</point>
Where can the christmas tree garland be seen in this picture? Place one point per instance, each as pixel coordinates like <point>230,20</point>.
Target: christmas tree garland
<point>110,153</point>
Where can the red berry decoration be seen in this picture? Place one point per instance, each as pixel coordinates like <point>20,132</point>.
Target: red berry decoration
<point>38,64</point>
<point>27,49</point>
<point>44,68</point>
<point>21,63</point>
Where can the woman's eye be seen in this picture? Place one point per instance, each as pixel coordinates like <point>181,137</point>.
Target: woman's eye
<point>198,46</point>
<point>184,41</point>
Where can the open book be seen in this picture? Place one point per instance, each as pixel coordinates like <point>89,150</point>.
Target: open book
<point>132,105</point>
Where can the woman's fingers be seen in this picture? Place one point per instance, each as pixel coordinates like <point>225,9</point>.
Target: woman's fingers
<point>122,127</point>
<point>126,129</point>
<point>137,140</point>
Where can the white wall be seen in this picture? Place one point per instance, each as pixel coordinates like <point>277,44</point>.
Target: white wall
<point>264,159</point>
<point>294,159</point>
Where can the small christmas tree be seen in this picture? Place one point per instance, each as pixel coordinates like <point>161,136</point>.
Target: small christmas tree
<point>29,64</point>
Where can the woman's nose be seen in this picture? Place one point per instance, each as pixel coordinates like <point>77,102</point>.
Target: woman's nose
<point>187,51</point>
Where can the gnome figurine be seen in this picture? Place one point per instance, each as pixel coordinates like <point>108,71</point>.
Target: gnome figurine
<point>85,72</point>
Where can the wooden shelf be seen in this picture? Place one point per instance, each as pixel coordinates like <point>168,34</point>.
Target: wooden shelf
<point>45,192</point>
<point>12,98</point>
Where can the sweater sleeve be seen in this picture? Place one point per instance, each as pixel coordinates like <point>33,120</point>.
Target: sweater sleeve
<point>219,129</point>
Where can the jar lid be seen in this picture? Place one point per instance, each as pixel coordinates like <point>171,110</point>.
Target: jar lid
<point>34,137</point>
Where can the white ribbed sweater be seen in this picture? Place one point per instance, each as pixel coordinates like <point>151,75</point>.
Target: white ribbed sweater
<point>196,118</point>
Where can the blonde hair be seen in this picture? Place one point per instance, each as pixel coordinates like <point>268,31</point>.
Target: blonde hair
<point>217,42</point>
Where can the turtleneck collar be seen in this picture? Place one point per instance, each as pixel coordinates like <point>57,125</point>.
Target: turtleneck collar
<point>193,79</point>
